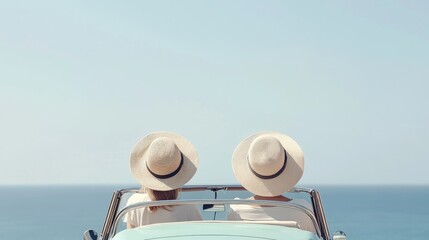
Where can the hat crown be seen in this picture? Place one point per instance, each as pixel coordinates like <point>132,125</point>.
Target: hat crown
<point>266,155</point>
<point>163,156</point>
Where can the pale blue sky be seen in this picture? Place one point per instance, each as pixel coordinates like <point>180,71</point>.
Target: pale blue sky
<point>82,81</point>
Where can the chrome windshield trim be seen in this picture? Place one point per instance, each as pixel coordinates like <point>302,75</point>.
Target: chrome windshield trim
<point>113,215</point>
<point>122,213</point>
<point>320,214</point>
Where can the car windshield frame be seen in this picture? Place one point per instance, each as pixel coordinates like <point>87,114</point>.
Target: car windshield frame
<point>117,211</point>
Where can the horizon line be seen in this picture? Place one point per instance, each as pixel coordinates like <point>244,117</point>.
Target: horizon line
<point>127,185</point>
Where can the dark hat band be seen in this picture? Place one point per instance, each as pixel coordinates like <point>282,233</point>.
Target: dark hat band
<point>172,174</point>
<point>269,176</point>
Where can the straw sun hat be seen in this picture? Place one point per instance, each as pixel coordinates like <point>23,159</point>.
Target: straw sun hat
<point>163,161</point>
<point>268,163</point>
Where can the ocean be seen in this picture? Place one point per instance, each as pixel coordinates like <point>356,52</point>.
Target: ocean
<point>65,212</point>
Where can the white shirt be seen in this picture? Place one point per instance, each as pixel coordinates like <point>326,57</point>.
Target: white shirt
<point>258,213</point>
<point>143,216</point>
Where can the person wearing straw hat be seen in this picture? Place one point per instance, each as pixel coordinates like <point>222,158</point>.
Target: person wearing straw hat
<point>162,162</point>
<point>268,164</point>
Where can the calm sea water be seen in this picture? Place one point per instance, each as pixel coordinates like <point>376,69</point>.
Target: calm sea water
<point>65,212</point>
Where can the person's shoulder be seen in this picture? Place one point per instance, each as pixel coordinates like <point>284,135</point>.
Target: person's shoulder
<point>138,197</point>
<point>243,207</point>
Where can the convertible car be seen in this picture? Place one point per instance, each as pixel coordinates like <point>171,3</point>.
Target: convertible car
<point>214,203</point>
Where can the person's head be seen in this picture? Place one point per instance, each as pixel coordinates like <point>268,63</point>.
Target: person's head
<point>163,161</point>
<point>268,163</point>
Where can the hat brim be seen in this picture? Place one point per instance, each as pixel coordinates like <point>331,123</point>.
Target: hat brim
<point>145,178</point>
<point>269,187</point>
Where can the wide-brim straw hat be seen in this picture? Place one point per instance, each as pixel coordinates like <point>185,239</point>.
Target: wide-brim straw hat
<point>163,161</point>
<point>268,163</point>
